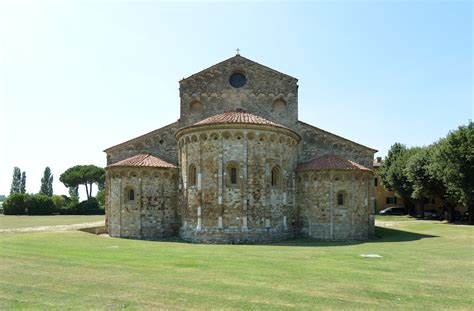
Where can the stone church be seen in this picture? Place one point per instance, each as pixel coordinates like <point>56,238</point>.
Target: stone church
<point>239,167</point>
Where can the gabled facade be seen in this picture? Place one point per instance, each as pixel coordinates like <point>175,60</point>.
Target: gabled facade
<point>239,167</point>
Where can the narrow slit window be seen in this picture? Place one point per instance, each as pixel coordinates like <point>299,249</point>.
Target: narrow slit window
<point>340,199</point>
<point>233,175</point>
<point>276,176</point>
<point>192,175</point>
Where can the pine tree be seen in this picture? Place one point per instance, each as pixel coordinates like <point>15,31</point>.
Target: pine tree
<point>47,182</point>
<point>16,181</point>
<point>74,192</point>
<point>23,182</point>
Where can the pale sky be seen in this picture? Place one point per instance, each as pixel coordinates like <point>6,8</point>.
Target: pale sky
<point>77,77</point>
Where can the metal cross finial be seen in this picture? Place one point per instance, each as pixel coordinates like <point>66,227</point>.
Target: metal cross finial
<point>238,51</point>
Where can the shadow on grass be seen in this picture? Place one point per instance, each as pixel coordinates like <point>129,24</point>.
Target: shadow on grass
<point>382,235</point>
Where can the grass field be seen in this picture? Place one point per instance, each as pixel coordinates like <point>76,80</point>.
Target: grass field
<point>424,265</point>
<point>394,218</point>
<point>9,222</point>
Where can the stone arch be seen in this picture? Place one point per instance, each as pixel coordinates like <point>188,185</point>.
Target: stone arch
<point>196,106</point>
<point>238,135</point>
<point>214,136</point>
<point>194,138</point>
<point>262,138</point>
<point>226,135</point>
<point>203,137</point>
<point>251,136</point>
<point>279,105</point>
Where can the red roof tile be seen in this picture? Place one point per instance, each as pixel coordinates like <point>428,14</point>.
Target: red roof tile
<point>237,117</point>
<point>143,160</point>
<point>330,162</point>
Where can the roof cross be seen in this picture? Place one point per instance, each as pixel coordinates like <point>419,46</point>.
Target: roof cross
<point>238,51</point>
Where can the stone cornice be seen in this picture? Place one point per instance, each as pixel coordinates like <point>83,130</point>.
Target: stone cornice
<point>237,126</point>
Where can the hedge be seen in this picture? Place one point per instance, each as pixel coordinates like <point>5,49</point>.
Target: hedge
<point>38,204</point>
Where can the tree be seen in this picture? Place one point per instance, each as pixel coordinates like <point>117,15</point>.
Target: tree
<point>47,182</point>
<point>455,158</point>
<point>393,173</point>
<point>86,175</point>
<point>420,175</point>
<point>74,193</point>
<point>23,182</point>
<point>100,196</point>
<point>16,181</point>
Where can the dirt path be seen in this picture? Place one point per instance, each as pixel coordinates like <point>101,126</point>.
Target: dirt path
<point>56,228</point>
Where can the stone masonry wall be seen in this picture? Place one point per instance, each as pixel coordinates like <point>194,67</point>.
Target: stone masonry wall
<point>153,213</point>
<point>160,142</point>
<point>252,210</point>
<point>320,215</point>
<point>316,142</point>
<point>267,93</point>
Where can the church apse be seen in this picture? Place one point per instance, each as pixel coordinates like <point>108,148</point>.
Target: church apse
<point>239,167</point>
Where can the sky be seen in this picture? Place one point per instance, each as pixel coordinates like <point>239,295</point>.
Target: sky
<point>77,77</point>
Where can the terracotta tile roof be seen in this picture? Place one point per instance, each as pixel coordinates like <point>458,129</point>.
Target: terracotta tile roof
<point>237,117</point>
<point>330,162</point>
<point>143,160</point>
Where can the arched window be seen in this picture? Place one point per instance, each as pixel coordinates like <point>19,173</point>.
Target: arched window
<point>192,175</point>
<point>232,173</point>
<point>276,176</point>
<point>340,199</point>
<point>129,194</point>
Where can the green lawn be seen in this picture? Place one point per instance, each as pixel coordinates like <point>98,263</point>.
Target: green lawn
<point>424,266</point>
<point>9,222</point>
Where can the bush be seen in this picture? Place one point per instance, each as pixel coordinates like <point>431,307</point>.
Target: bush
<point>16,204</point>
<point>60,201</point>
<point>40,204</point>
<point>87,207</point>
<point>26,204</point>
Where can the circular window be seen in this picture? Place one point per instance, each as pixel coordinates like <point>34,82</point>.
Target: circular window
<point>237,80</point>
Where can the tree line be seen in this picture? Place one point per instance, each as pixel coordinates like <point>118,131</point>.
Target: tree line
<point>45,202</point>
<point>445,169</point>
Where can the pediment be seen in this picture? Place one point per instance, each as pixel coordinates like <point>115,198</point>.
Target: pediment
<point>236,63</point>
